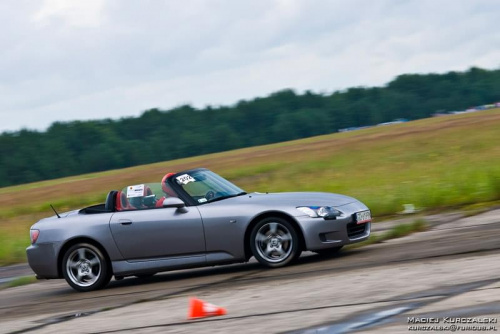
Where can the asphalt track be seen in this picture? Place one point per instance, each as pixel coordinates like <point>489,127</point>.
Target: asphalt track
<point>372,288</point>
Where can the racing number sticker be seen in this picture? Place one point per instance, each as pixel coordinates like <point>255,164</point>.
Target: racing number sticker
<point>135,191</point>
<point>185,179</point>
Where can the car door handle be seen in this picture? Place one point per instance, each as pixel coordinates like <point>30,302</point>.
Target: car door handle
<point>125,221</point>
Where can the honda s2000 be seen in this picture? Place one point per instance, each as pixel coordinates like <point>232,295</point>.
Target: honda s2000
<point>191,219</point>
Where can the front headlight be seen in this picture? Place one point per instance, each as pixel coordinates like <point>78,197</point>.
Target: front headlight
<point>326,212</point>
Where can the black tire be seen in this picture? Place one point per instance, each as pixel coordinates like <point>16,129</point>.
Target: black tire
<point>85,268</point>
<point>280,240</point>
<point>329,251</point>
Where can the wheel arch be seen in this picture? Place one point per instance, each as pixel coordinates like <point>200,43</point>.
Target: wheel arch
<point>77,240</point>
<point>268,214</point>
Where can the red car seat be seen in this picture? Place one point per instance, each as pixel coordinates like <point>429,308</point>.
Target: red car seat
<point>122,202</point>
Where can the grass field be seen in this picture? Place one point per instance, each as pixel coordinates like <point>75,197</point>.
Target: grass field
<point>434,163</point>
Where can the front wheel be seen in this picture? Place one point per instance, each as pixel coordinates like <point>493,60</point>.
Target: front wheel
<point>85,268</point>
<point>274,242</point>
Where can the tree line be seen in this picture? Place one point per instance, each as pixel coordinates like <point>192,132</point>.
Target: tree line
<point>77,147</point>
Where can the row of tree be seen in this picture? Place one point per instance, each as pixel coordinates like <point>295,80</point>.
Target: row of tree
<point>158,135</point>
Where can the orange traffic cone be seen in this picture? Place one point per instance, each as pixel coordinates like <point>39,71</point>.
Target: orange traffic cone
<point>200,309</point>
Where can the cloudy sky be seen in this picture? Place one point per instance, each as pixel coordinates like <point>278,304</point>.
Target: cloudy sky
<point>64,60</point>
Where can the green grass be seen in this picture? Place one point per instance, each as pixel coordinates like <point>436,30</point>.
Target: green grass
<point>402,230</point>
<point>24,280</point>
<point>398,231</point>
<point>431,170</point>
<point>14,238</point>
<point>434,164</point>
<point>478,208</point>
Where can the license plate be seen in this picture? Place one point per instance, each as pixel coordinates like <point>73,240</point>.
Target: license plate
<point>363,217</point>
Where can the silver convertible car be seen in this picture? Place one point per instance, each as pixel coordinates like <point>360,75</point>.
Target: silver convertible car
<point>191,219</point>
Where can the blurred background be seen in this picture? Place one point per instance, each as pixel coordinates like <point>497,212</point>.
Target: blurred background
<point>403,97</point>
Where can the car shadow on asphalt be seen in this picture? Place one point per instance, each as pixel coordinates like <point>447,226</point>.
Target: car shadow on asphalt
<point>249,269</point>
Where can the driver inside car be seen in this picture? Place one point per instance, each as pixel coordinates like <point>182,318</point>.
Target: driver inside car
<point>167,190</point>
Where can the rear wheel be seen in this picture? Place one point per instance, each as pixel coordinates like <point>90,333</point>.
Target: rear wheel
<point>274,242</point>
<point>85,268</point>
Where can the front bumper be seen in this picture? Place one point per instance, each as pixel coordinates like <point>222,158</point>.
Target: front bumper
<point>42,259</point>
<point>322,234</point>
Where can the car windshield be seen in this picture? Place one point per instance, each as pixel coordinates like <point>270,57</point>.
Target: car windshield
<point>205,186</point>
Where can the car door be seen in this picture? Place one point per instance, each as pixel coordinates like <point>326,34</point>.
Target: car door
<point>158,233</point>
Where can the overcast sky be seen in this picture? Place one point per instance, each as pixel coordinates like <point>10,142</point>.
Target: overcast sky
<point>64,60</point>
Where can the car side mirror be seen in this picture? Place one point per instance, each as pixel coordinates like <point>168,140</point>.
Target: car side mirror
<point>173,202</point>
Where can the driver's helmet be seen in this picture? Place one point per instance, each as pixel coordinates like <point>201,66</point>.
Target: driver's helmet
<point>165,187</point>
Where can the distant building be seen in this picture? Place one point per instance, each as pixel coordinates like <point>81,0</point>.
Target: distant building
<point>396,121</point>
<point>354,128</point>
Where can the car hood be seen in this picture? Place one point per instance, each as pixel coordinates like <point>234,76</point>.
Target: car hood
<point>292,199</point>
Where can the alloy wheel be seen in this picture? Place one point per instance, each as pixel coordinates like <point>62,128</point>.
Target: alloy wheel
<point>83,267</point>
<point>274,242</point>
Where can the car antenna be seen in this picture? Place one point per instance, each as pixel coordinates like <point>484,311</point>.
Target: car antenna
<point>55,211</point>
